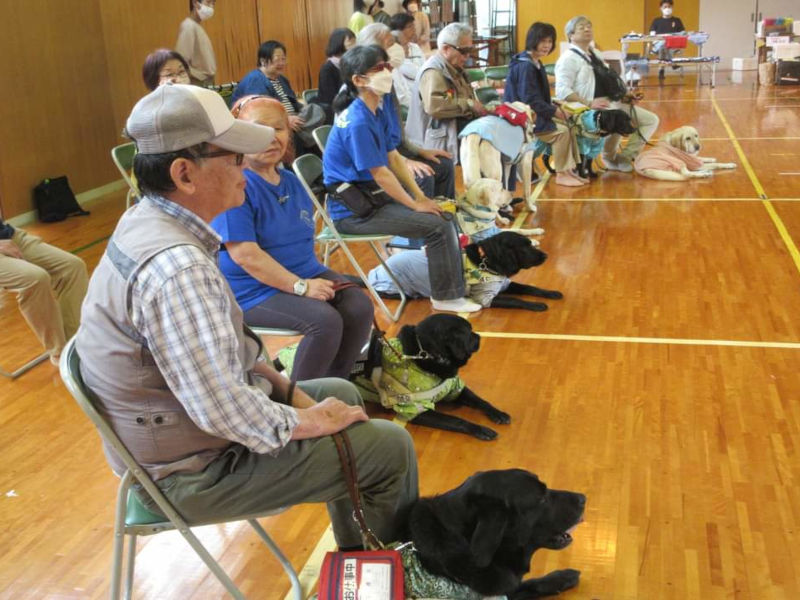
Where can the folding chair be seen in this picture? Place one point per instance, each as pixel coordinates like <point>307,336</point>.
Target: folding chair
<point>309,95</point>
<point>308,169</point>
<point>320,135</point>
<point>26,367</point>
<point>497,73</point>
<point>132,518</point>
<point>485,95</point>
<point>122,156</point>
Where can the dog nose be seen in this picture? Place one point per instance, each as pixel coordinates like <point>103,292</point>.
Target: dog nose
<point>581,500</point>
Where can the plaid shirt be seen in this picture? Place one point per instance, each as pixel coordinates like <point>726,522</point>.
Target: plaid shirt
<point>181,304</point>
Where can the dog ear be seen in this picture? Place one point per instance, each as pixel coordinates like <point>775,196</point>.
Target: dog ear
<point>488,534</point>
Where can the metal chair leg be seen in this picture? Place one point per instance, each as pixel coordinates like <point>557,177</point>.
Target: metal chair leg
<point>26,367</point>
<point>297,589</point>
<point>119,534</point>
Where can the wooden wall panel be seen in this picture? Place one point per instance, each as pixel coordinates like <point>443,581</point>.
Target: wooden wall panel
<point>320,25</point>
<point>54,116</point>
<point>71,72</point>
<point>610,18</point>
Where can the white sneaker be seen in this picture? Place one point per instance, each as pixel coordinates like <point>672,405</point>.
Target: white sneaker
<point>458,305</point>
<point>618,164</point>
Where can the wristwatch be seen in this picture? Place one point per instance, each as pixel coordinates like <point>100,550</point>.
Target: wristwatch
<point>300,287</point>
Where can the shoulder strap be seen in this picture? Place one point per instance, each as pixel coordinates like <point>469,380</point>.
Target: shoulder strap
<point>582,55</point>
<point>345,450</point>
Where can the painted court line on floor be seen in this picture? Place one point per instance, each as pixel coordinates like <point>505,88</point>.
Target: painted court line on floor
<point>776,219</point>
<point>309,574</point>
<point>638,340</point>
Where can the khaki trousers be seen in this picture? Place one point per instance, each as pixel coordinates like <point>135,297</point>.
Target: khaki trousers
<point>50,285</point>
<point>563,146</point>
<point>647,123</point>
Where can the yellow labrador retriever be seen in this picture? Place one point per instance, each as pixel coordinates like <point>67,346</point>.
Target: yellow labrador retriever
<point>676,158</point>
<point>477,211</point>
<point>481,156</point>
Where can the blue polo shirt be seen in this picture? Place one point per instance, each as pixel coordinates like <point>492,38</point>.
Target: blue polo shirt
<point>358,142</point>
<point>280,219</point>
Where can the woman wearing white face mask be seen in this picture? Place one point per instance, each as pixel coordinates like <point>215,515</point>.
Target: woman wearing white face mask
<point>164,66</point>
<point>665,24</point>
<point>368,178</point>
<point>194,44</point>
<point>362,15</point>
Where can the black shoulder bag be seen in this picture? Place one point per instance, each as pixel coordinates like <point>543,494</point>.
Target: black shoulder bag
<point>605,78</point>
<point>361,197</point>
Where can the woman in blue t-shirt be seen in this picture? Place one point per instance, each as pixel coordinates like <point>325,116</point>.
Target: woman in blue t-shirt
<point>362,151</point>
<point>269,259</point>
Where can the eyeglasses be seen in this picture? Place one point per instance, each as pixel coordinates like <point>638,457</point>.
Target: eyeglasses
<point>463,50</point>
<point>219,153</point>
<point>380,67</point>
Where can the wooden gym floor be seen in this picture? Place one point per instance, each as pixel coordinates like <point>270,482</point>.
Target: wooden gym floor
<point>664,386</point>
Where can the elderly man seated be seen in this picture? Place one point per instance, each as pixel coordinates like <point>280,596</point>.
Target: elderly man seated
<point>443,100</point>
<point>49,282</point>
<point>583,76</point>
<point>182,381</point>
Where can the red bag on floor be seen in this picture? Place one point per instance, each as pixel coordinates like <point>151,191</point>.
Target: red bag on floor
<point>368,575</point>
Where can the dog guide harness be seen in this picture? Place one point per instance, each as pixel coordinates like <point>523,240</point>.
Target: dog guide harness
<point>396,382</point>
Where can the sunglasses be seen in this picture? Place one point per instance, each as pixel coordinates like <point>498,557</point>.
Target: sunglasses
<point>380,67</point>
<point>463,50</point>
<point>219,153</point>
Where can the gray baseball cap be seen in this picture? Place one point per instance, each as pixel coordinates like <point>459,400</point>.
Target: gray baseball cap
<point>174,117</point>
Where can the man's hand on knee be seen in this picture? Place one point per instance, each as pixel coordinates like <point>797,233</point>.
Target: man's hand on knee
<point>9,248</point>
<point>327,417</point>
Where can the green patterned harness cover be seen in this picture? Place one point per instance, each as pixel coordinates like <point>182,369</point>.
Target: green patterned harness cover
<point>420,583</point>
<point>398,384</point>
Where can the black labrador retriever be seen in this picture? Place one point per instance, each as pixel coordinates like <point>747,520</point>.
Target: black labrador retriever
<point>483,533</point>
<point>494,260</point>
<point>426,354</point>
<point>507,253</point>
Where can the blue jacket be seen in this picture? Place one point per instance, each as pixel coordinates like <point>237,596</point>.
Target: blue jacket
<point>255,82</point>
<point>527,83</point>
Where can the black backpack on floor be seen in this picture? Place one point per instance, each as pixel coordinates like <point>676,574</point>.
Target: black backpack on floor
<point>55,201</point>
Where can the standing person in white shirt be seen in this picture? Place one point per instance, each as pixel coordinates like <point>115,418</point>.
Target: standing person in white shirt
<point>194,44</point>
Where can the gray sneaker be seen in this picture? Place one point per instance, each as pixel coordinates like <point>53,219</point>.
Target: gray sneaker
<point>619,163</point>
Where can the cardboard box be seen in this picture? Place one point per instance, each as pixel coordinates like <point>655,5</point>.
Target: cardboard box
<point>786,51</point>
<point>745,64</point>
<point>777,40</point>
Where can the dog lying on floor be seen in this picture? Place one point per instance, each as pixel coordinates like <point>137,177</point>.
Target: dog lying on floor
<point>483,533</point>
<point>478,211</point>
<point>419,368</point>
<point>676,158</point>
<point>591,128</point>
<point>488,264</point>
<point>486,140</point>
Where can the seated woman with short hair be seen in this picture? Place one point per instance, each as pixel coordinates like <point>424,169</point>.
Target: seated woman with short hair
<point>361,156</point>
<point>164,66</point>
<point>330,78</point>
<point>269,259</point>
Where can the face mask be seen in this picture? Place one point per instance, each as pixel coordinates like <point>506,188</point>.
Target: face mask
<point>381,83</point>
<point>412,8</point>
<point>666,12</point>
<point>368,3</point>
<point>205,12</point>
<point>396,55</point>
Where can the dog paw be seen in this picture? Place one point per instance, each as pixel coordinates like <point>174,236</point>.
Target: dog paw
<point>499,417</point>
<point>483,433</point>
<point>535,243</point>
<point>561,580</point>
<point>727,165</point>
<point>703,174</point>
<point>502,220</point>
<point>552,294</point>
